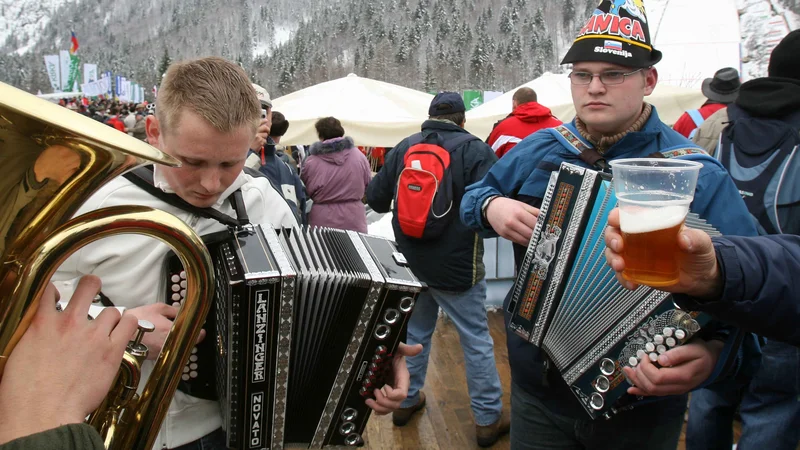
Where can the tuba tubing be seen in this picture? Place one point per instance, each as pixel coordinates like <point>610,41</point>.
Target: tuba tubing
<point>20,292</point>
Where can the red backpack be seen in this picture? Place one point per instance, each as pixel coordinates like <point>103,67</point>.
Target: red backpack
<point>430,185</point>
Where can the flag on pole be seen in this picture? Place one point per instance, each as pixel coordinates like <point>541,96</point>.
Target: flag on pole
<point>74,47</point>
<point>52,66</point>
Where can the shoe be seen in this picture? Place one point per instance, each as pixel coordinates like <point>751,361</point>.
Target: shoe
<point>489,434</point>
<point>403,415</point>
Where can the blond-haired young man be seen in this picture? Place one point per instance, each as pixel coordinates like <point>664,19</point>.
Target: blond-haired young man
<point>207,113</point>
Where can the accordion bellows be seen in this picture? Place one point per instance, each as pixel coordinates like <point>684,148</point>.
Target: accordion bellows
<point>567,301</point>
<point>303,329</point>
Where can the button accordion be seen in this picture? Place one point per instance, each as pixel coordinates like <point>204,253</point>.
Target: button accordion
<point>303,329</point>
<point>567,301</point>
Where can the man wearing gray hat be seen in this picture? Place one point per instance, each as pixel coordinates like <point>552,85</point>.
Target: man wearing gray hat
<point>720,91</point>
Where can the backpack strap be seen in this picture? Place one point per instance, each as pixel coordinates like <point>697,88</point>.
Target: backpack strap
<point>676,152</point>
<point>583,149</point>
<point>696,116</point>
<point>142,177</point>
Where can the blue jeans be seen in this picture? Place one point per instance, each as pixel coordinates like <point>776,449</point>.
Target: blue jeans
<point>769,408</point>
<point>212,441</point>
<point>534,427</point>
<point>468,313</point>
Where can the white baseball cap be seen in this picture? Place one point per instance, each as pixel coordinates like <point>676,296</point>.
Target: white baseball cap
<point>263,95</point>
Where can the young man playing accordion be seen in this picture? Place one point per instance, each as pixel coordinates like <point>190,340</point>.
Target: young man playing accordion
<point>610,77</point>
<point>206,116</point>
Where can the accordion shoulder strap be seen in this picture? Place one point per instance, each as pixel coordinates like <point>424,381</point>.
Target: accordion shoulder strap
<point>142,177</point>
<point>581,147</point>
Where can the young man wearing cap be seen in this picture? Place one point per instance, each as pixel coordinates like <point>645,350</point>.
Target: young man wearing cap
<point>720,91</point>
<point>452,267</point>
<point>756,139</point>
<point>207,114</point>
<point>611,76</point>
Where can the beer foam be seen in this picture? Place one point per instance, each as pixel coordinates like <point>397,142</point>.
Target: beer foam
<point>634,219</point>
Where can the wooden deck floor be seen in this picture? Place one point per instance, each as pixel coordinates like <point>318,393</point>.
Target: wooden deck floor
<point>446,423</point>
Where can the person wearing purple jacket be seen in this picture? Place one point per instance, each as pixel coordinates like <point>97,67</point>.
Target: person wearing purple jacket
<point>336,175</point>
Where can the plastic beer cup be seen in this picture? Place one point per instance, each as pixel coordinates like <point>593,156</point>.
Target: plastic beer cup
<point>654,195</point>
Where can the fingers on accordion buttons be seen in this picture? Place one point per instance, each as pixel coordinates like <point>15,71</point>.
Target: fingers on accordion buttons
<point>650,347</point>
<point>661,349</point>
<point>633,362</point>
<point>653,357</point>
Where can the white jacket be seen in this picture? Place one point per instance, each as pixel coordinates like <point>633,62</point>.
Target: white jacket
<point>131,269</point>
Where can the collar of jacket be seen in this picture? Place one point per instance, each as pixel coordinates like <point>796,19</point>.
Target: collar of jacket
<point>330,146</point>
<point>441,125</point>
<point>161,182</point>
<point>634,140</point>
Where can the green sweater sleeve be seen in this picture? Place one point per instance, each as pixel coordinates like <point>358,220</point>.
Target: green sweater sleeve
<point>66,437</point>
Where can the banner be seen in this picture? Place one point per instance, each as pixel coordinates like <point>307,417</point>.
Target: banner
<point>64,60</point>
<point>117,85</point>
<point>135,93</point>
<point>109,75</point>
<point>53,71</point>
<point>74,72</point>
<point>473,99</point>
<point>141,92</point>
<point>90,73</point>
<point>491,95</point>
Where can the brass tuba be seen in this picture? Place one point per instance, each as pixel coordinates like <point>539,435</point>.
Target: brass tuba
<point>52,160</point>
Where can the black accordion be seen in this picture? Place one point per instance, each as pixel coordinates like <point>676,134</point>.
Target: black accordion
<point>567,301</point>
<point>303,329</point>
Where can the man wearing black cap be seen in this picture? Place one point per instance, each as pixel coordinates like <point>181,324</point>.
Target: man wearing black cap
<point>720,91</point>
<point>757,140</point>
<point>612,73</point>
<point>451,264</point>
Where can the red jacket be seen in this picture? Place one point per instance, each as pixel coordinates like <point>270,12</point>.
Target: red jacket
<point>116,123</point>
<point>685,124</point>
<point>526,119</point>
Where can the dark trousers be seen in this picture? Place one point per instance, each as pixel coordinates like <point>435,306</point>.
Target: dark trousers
<point>534,427</point>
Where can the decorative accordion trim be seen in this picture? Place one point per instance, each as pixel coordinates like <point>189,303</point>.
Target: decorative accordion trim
<point>530,253</point>
<point>284,337</point>
<point>560,269</point>
<point>360,331</point>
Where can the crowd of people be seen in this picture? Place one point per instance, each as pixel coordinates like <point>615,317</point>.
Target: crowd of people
<point>447,190</point>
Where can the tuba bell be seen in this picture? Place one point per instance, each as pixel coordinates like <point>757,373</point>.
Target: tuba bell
<point>53,159</point>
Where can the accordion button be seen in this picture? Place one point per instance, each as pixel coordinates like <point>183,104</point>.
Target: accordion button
<point>186,369</point>
<point>176,297</point>
<point>650,347</point>
<point>373,367</point>
<point>641,354</point>
<point>377,359</point>
<point>633,362</point>
<point>193,358</point>
<point>176,304</point>
<point>175,278</point>
<point>607,366</point>
<point>193,366</point>
<point>183,293</point>
<point>364,392</point>
<point>381,350</point>
<point>183,274</point>
<point>680,334</point>
<point>185,377</point>
<point>183,284</point>
<point>653,357</point>
<point>596,401</point>
<point>661,349</point>
<point>668,331</point>
<point>658,339</point>
<point>175,288</point>
<point>349,414</point>
<point>602,384</point>
<point>671,342</point>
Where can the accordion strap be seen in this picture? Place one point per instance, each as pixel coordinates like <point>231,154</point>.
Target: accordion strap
<point>143,178</point>
<point>585,151</point>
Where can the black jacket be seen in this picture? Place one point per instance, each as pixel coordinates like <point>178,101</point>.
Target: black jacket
<point>454,262</point>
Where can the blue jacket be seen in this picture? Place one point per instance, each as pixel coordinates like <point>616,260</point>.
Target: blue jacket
<point>283,178</point>
<point>524,174</point>
<point>761,290</point>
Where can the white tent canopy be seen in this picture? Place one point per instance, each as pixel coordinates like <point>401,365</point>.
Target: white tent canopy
<point>372,112</point>
<point>554,92</point>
